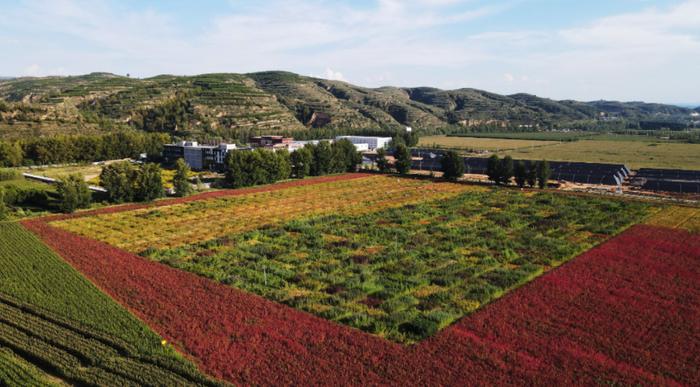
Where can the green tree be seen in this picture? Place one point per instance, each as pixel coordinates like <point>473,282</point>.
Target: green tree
<point>181,182</point>
<point>410,139</point>
<point>382,162</point>
<point>301,162</point>
<point>260,166</point>
<point>543,173</point>
<point>11,154</point>
<point>452,166</point>
<point>532,174</point>
<point>403,159</point>
<point>520,172</point>
<point>276,166</point>
<point>493,169</point>
<point>234,168</point>
<point>322,157</point>
<point>119,179</point>
<point>149,183</point>
<point>506,170</point>
<point>345,156</point>
<point>73,193</point>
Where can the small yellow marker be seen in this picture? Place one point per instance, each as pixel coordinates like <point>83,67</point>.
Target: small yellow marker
<point>163,342</point>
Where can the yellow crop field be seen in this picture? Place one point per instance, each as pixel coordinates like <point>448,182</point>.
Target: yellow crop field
<point>687,218</point>
<point>187,223</point>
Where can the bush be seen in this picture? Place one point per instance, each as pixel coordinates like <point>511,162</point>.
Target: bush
<point>9,174</point>
<point>73,193</point>
<point>422,326</point>
<point>382,163</point>
<point>127,182</point>
<point>452,166</point>
<point>260,166</point>
<point>403,159</point>
<point>181,183</point>
<point>301,160</point>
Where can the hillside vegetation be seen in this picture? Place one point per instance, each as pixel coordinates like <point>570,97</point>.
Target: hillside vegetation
<point>236,106</point>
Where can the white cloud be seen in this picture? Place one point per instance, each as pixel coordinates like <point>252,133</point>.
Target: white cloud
<point>32,70</point>
<point>650,54</point>
<point>333,75</point>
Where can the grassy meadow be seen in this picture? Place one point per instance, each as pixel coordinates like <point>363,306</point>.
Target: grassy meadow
<point>634,151</point>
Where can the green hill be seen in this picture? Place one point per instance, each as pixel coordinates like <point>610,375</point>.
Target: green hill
<point>238,105</point>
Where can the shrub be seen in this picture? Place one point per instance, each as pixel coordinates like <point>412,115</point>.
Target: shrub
<point>9,174</point>
<point>452,166</point>
<point>73,193</point>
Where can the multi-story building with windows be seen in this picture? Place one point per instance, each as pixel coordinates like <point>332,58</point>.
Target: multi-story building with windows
<point>198,157</point>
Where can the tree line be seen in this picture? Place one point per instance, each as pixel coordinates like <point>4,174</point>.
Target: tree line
<point>263,166</point>
<point>83,148</point>
<point>502,171</point>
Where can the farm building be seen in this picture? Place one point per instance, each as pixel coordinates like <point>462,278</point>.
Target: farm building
<point>373,143</point>
<point>198,157</point>
<point>271,141</point>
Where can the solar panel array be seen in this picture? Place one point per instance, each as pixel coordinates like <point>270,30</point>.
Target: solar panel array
<point>669,180</point>
<point>586,173</point>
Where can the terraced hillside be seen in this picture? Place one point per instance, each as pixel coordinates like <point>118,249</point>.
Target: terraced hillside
<point>236,105</point>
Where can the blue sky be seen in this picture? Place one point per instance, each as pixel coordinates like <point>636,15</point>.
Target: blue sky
<point>615,49</point>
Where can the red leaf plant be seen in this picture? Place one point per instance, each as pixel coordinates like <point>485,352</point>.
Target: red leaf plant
<point>627,311</point>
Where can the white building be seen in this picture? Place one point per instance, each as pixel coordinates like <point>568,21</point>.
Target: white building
<point>197,156</point>
<point>360,147</point>
<point>300,144</point>
<point>373,143</point>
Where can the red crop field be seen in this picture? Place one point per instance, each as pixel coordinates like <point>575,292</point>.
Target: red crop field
<point>627,311</point>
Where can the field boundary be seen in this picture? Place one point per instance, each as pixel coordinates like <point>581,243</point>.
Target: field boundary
<point>206,195</point>
<point>245,338</point>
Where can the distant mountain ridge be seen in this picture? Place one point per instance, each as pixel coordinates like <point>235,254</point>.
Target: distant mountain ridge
<point>276,101</point>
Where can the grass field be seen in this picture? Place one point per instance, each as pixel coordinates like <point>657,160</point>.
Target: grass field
<point>475,144</point>
<point>536,136</point>
<point>89,171</point>
<point>635,152</point>
<point>400,258</point>
<point>51,315</point>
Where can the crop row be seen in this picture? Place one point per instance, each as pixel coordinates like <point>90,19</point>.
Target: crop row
<point>15,370</point>
<point>45,294</point>
<point>79,355</point>
<point>687,218</point>
<point>404,273</point>
<point>179,224</point>
<point>625,312</point>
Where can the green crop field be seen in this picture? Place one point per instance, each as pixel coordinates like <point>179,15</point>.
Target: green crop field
<point>635,154</point>
<point>634,151</point>
<point>52,316</point>
<point>535,136</point>
<point>16,371</point>
<point>402,268</point>
<point>475,144</point>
